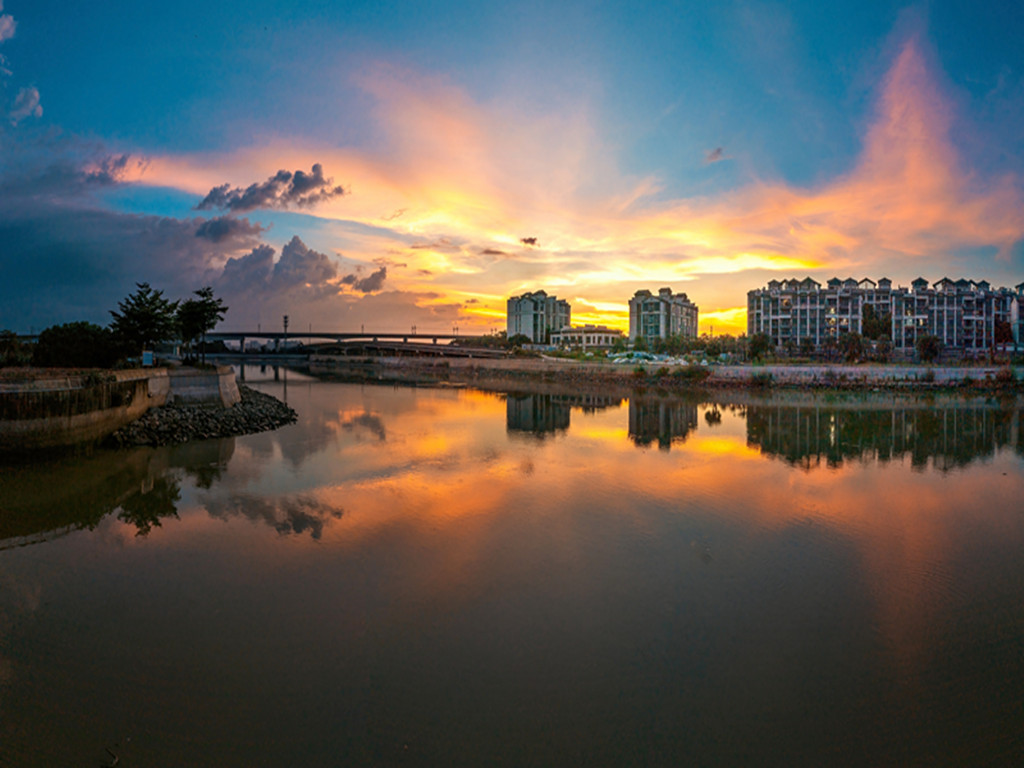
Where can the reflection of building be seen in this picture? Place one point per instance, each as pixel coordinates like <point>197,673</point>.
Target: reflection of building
<point>587,337</point>
<point>542,415</point>
<point>536,315</point>
<point>535,414</point>
<point>950,437</point>
<point>658,317</point>
<point>666,421</point>
<point>964,314</point>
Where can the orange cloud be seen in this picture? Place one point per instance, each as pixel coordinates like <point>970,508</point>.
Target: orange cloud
<point>480,176</point>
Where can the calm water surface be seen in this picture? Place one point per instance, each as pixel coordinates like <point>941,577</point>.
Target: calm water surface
<point>428,576</point>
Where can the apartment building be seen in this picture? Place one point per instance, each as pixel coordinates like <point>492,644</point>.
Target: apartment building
<point>536,315</point>
<point>963,314</point>
<point>658,316</point>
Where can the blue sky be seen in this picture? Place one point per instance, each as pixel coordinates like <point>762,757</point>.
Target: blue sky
<point>708,147</point>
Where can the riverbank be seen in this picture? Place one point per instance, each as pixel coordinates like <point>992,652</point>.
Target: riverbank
<point>594,376</point>
<point>171,424</point>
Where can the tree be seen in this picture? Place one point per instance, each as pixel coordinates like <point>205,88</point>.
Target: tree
<point>518,339</point>
<point>1003,332</point>
<point>145,317</point>
<point>874,326</point>
<point>76,345</point>
<point>928,347</point>
<point>12,351</point>
<point>852,345</point>
<point>640,344</point>
<point>196,317</point>
<point>759,345</point>
<point>806,346</point>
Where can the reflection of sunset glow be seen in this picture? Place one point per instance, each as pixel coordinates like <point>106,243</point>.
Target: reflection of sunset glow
<point>455,178</point>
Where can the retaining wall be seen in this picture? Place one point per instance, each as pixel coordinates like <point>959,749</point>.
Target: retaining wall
<point>66,410</point>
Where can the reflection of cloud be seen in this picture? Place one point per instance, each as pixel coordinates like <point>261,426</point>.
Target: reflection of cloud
<point>371,423</point>
<point>287,515</point>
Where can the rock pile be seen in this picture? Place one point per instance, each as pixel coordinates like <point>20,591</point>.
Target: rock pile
<point>257,412</point>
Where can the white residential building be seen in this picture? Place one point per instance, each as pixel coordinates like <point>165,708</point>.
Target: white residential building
<point>963,314</point>
<point>536,315</point>
<point>661,316</point>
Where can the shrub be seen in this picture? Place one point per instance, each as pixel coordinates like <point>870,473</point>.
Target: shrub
<point>1005,375</point>
<point>761,379</point>
<point>691,373</point>
<point>639,372</point>
<point>76,345</point>
<point>928,376</point>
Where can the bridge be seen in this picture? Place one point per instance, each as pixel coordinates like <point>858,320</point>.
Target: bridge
<point>380,342</point>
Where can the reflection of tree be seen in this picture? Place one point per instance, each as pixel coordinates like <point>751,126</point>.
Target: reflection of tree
<point>145,508</point>
<point>204,461</point>
<point>43,499</point>
<point>950,437</point>
<point>287,515</point>
<point>667,421</point>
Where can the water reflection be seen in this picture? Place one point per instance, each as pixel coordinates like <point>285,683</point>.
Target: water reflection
<point>286,515</point>
<point>543,415</point>
<point>664,420</point>
<point>402,580</point>
<point>45,500</point>
<point>949,436</point>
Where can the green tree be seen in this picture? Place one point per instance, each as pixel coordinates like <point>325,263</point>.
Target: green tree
<point>76,345</point>
<point>928,347</point>
<point>518,339</point>
<point>759,345</point>
<point>640,344</point>
<point>619,345</point>
<point>806,346</point>
<point>1003,332</point>
<point>874,325</point>
<point>145,317</point>
<point>197,317</point>
<point>852,346</point>
<point>883,348</point>
<point>12,351</point>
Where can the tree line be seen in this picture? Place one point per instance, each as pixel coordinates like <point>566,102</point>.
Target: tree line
<point>142,319</point>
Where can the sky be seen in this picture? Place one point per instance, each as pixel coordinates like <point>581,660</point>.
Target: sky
<point>387,165</point>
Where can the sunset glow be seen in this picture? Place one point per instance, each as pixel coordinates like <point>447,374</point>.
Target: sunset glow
<point>462,187</point>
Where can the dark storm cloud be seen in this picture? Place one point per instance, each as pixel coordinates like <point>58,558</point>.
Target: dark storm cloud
<point>531,241</point>
<point>372,283</point>
<point>67,180</point>
<point>227,228</point>
<point>282,190</point>
<point>300,271</point>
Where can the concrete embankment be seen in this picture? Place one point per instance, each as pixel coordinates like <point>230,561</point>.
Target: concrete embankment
<point>42,411</point>
<point>838,376</point>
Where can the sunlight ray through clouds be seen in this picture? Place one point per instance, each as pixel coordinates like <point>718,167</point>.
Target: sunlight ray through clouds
<point>455,186</point>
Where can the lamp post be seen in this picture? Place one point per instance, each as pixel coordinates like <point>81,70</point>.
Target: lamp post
<point>286,333</point>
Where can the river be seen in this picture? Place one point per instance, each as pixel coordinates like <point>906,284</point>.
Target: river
<point>447,576</point>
